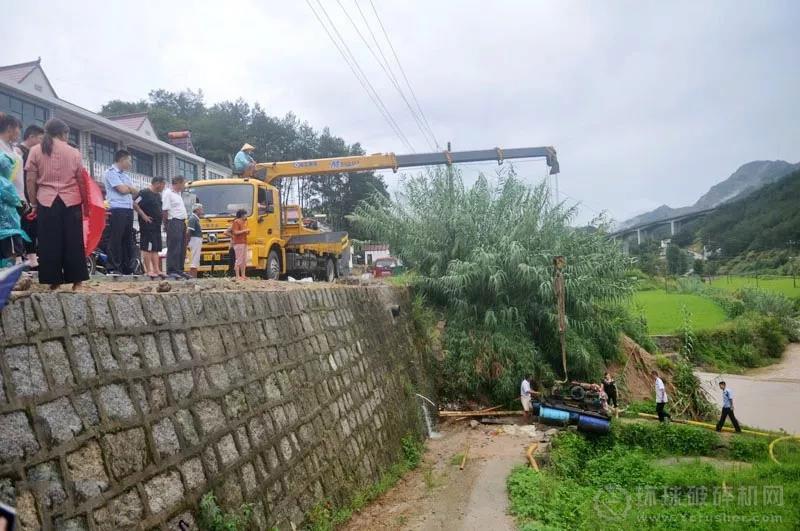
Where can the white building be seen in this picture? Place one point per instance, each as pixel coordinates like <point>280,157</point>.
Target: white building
<point>373,251</point>
<point>26,93</point>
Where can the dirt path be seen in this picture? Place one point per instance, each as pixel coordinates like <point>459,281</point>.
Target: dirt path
<point>440,496</point>
<point>763,397</point>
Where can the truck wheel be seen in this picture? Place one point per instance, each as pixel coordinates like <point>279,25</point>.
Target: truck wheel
<point>330,270</point>
<point>273,271</point>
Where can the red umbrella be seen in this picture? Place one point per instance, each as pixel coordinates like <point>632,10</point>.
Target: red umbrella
<point>94,215</point>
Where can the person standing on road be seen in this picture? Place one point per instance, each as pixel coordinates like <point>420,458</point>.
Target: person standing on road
<point>525,395</point>
<point>661,397</point>
<point>148,208</point>
<point>31,137</point>
<point>195,238</point>
<point>610,387</point>
<point>239,232</point>
<point>727,409</point>
<point>56,190</point>
<point>120,193</point>
<point>175,221</point>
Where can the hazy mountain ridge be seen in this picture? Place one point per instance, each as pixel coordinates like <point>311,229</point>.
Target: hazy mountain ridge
<point>744,181</point>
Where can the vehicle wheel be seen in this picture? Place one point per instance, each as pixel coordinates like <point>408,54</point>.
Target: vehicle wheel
<point>91,266</point>
<point>577,393</point>
<point>273,271</point>
<point>330,270</point>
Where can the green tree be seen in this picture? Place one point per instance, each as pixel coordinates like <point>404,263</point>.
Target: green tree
<point>485,255</point>
<point>699,266</point>
<point>676,261</point>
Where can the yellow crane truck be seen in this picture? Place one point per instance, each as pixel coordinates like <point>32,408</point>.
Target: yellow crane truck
<point>279,244</point>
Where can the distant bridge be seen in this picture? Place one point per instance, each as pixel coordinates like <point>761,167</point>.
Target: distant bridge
<point>674,225</point>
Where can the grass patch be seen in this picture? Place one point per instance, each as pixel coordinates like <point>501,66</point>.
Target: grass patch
<point>783,285</point>
<point>663,311</point>
<point>326,517</point>
<point>616,482</point>
<point>456,459</point>
<point>213,518</point>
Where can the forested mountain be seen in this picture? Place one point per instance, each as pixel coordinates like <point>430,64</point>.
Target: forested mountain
<point>744,181</point>
<point>219,130</point>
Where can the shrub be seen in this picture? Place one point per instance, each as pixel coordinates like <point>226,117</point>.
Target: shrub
<point>661,439</point>
<point>743,448</point>
<point>213,518</point>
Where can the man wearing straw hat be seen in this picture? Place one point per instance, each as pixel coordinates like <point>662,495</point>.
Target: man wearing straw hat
<point>243,163</point>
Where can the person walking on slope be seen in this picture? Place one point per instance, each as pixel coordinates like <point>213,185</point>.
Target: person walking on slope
<point>610,387</point>
<point>727,409</point>
<point>661,398</point>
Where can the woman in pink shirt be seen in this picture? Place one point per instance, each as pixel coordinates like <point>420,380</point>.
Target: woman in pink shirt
<point>57,195</point>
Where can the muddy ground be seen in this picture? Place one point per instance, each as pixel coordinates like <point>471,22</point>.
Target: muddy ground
<point>440,496</point>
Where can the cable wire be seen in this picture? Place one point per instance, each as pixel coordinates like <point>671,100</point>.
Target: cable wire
<point>389,74</point>
<point>355,68</point>
<point>402,71</point>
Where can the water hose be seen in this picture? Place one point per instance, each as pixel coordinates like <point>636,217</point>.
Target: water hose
<point>464,457</point>
<point>531,459</point>
<point>707,425</point>
<point>772,446</point>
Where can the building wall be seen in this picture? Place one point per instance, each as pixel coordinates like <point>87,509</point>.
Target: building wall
<point>120,410</point>
<point>371,256</point>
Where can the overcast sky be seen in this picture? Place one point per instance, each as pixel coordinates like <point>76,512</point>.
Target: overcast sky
<point>646,102</point>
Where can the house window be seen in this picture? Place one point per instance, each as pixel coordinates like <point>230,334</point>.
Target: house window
<point>187,169</point>
<point>28,113</point>
<point>142,162</point>
<point>75,137</point>
<point>103,150</point>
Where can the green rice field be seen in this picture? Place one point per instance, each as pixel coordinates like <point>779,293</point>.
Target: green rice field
<point>663,311</point>
<point>784,285</point>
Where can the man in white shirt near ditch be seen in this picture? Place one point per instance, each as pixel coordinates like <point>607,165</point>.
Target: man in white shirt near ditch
<point>661,398</point>
<point>525,395</point>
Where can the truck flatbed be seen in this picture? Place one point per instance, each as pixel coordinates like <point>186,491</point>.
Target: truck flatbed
<point>310,239</point>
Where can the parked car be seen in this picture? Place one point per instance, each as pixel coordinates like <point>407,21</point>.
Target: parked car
<point>383,267</point>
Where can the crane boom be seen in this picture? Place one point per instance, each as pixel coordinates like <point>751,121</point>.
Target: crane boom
<point>381,161</point>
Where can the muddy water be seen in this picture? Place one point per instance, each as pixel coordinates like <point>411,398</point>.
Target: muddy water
<point>766,397</point>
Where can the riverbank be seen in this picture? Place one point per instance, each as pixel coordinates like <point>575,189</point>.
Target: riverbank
<point>764,396</point>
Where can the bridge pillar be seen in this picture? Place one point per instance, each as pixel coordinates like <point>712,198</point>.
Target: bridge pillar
<point>672,228</point>
<point>638,236</point>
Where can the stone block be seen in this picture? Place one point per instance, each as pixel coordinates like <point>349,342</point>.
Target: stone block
<point>210,461</point>
<point>158,393</point>
<point>218,377</point>
<point>27,515</point>
<point>102,349</point>
<point>123,512</point>
<point>86,469</point>
<point>45,481</point>
<point>87,411</point>
<point>186,426</point>
<point>82,358</point>
<point>127,310</point>
<point>210,416</point>
<point>286,449</point>
<point>165,438</point>
<point>76,309</point>
<point>235,404</point>
<point>18,440</point>
<point>150,354</point>
<point>243,440</point>
<point>100,312</point>
<point>193,476</point>
<point>73,524</point>
<point>181,349</point>
<point>229,493</point>
<point>227,450</point>
<point>55,359</point>
<point>126,452</point>
<point>154,310</point>
<point>59,421</point>
<point>164,491</point>
<point>181,384</point>
<point>115,401</point>
<point>234,369</point>
<point>165,342</point>
<point>50,308</point>
<point>258,434</point>
<point>26,371</point>
<point>129,355</point>
<point>196,345</point>
<point>140,397</point>
<point>249,480</point>
<point>212,342</point>
<point>172,305</point>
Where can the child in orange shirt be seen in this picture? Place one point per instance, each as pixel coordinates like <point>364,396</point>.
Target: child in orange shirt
<point>239,232</point>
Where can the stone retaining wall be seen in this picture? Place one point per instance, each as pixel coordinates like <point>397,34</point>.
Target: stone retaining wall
<point>120,411</point>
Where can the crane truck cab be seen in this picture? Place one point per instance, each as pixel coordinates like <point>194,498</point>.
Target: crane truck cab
<point>275,247</point>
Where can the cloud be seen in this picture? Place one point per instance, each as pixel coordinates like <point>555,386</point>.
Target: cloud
<point>646,103</point>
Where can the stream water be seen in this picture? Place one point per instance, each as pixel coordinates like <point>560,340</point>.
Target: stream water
<point>765,397</point>
<point>432,433</point>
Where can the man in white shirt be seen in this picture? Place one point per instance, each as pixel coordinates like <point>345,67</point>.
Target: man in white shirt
<point>175,222</point>
<point>525,395</point>
<point>661,398</point>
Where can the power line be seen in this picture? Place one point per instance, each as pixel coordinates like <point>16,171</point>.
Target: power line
<point>388,72</point>
<point>402,71</point>
<point>351,61</point>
